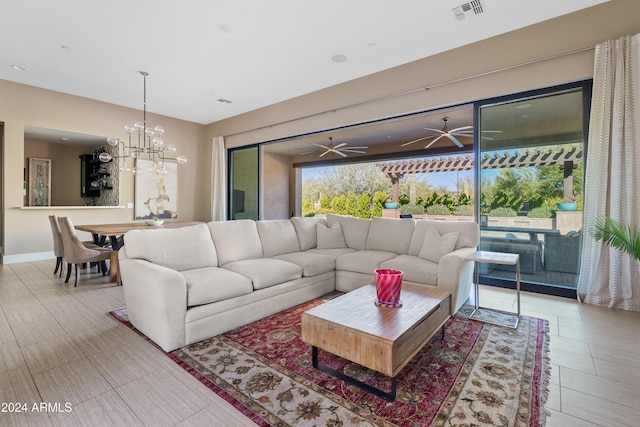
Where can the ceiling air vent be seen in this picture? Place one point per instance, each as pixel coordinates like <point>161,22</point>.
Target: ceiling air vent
<point>474,7</point>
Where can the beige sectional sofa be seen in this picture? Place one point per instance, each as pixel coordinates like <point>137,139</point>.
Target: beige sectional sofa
<point>186,284</point>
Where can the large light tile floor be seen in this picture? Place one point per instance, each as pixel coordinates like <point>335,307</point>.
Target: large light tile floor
<point>59,345</point>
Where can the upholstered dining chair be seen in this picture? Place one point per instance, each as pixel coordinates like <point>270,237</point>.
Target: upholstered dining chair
<point>76,253</point>
<point>58,249</point>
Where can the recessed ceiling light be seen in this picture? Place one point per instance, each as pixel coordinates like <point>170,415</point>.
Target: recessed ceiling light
<point>223,101</point>
<point>64,138</point>
<point>338,58</point>
<point>18,68</point>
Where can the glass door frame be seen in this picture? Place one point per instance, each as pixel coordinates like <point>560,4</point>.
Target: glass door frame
<point>586,87</point>
<point>230,181</point>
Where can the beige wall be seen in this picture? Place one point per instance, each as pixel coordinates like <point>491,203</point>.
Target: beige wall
<point>275,186</point>
<point>26,231</point>
<point>527,59</point>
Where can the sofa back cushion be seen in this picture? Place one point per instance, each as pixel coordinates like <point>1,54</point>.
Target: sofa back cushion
<point>183,248</point>
<point>236,240</point>
<point>390,234</point>
<point>306,231</point>
<point>355,230</point>
<point>330,238</point>
<point>468,233</point>
<point>278,237</point>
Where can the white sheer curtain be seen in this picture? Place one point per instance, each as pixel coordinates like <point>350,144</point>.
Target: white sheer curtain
<point>612,178</point>
<point>218,179</point>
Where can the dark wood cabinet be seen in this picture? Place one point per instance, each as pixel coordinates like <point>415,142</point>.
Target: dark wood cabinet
<point>93,176</point>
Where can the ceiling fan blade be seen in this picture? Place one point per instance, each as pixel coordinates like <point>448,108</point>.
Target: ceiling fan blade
<point>328,151</point>
<point>492,131</point>
<point>460,128</point>
<point>319,145</point>
<point>434,141</point>
<point>435,130</point>
<point>340,153</point>
<point>352,151</point>
<point>416,140</point>
<point>342,144</point>
<point>455,141</point>
<point>355,148</point>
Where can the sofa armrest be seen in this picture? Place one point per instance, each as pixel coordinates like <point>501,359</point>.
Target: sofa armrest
<point>156,299</point>
<point>455,275</point>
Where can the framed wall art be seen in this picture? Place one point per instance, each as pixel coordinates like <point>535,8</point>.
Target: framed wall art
<point>156,195</point>
<point>39,182</point>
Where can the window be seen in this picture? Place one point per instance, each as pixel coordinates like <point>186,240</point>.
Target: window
<point>531,154</point>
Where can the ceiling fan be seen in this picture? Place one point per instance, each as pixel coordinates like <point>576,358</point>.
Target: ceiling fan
<point>452,134</point>
<point>340,149</point>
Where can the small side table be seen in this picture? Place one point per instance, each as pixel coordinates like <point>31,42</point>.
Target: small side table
<point>495,258</point>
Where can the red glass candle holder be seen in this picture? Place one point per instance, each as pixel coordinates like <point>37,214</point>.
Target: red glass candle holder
<point>388,285</point>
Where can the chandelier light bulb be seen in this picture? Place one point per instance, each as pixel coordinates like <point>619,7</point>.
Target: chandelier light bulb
<point>139,126</point>
<point>159,130</point>
<point>136,170</point>
<point>105,157</point>
<point>171,148</point>
<point>129,129</point>
<point>125,167</point>
<point>157,141</point>
<point>148,131</point>
<point>113,141</point>
<point>181,159</point>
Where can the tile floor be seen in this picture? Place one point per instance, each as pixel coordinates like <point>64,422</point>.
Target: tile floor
<point>58,345</point>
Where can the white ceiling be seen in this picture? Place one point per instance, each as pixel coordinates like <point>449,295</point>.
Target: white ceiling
<point>251,52</point>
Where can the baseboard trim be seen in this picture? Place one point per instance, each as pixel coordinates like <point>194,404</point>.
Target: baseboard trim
<point>30,257</point>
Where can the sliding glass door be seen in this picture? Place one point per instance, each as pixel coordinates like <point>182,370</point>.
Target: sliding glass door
<point>244,179</point>
<point>531,155</point>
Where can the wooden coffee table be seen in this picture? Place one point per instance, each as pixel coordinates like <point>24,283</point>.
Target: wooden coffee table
<point>384,339</point>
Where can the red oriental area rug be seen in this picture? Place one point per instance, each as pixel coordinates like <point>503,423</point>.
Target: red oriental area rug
<point>479,375</point>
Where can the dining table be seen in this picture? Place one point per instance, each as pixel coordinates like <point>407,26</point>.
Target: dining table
<point>115,233</point>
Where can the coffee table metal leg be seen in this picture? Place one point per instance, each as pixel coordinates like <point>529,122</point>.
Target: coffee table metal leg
<point>389,397</point>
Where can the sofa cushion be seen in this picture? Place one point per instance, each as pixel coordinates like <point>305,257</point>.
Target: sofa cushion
<point>183,248</point>
<point>468,233</point>
<point>211,284</point>
<point>307,231</point>
<point>265,272</point>
<point>390,234</point>
<point>414,269</point>
<point>436,246</point>
<point>366,262</point>
<point>332,252</point>
<point>236,240</point>
<point>277,237</point>
<point>312,264</point>
<point>330,238</point>
<point>355,230</point>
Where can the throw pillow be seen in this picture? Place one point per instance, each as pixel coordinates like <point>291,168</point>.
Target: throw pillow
<point>330,238</point>
<point>436,246</point>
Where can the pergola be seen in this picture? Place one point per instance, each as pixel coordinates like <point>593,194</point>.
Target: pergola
<point>566,159</point>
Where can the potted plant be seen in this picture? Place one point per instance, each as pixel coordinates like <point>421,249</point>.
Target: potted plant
<point>617,235</point>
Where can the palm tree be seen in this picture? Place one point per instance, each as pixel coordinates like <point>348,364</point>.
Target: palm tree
<point>617,235</point>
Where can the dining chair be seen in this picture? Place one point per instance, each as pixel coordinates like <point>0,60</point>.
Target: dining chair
<point>58,247</point>
<point>76,253</point>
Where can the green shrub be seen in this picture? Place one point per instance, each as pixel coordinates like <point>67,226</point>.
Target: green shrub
<point>464,210</point>
<point>503,212</point>
<point>540,212</point>
<point>438,210</point>
<point>412,209</point>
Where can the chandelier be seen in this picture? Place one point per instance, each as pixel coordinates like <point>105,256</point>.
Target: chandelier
<point>142,142</point>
